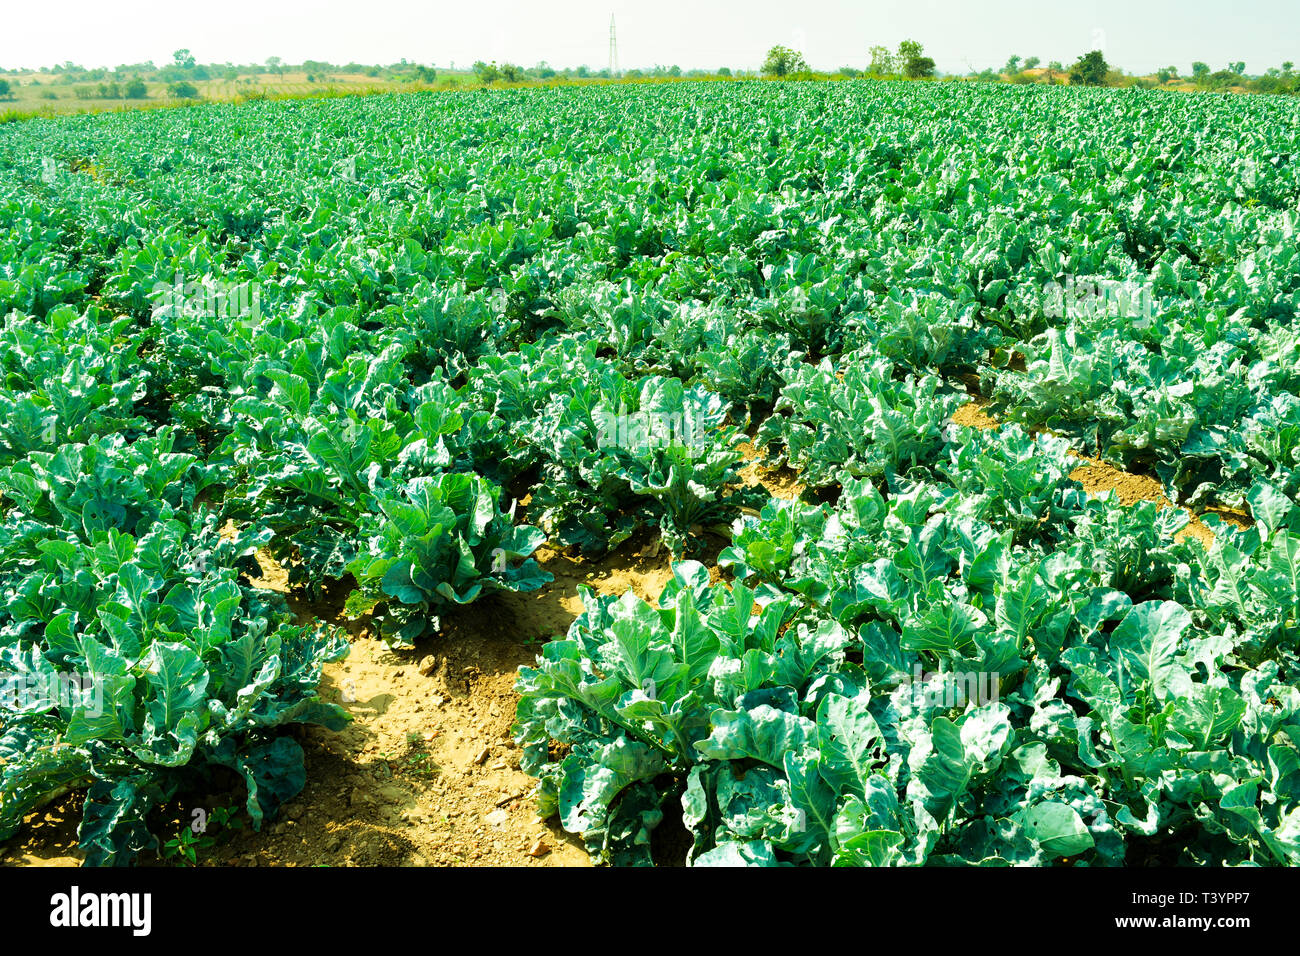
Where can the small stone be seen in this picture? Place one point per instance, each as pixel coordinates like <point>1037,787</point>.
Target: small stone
<point>428,665</point>
<point>497,817</point>
<point>482,757</point>
<point>539,849</point>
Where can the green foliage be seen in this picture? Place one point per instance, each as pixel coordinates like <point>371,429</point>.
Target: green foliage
<point>486,72</point>
<point>782,61</point>
<point>745,705</point>
<point>235,336</point>
<point>883,62</point>
<point>915,64</point>
<point>1090,70</point>
<point>439,542</point>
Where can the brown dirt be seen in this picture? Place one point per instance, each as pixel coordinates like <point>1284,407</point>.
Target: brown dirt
<point>49,837</point>
<point>427,774</point>
<point>1098,477</point>
<point>972,415</point>
<point>782,482</point>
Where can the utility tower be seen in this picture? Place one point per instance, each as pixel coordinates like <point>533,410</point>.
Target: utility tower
<point>613,48</point>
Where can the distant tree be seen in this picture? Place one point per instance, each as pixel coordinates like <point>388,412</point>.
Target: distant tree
<point>1287,67</point>
<point>850,72</point>
<point>486,72</point>
<point>184,59</point>
<point>425,74</point>
<point>915,64</point>
<point>1032,62</point>
<point>724,71</point>
<point>1013,64</point>
<point>275,65</point>
<point>135,89</point>
<point>6,91</point>
<point>1056,67</point>
<point>674,70</point>
<point>782,61</point>
<point>1239,68</point>
<point>921,68</point>
<point>183,90</point>
<point>583,71</point>
<point>1200,70</point>
<point>1090,70</point>
<point>1164,76</point>
<point>883,62</point>
<point>512,74</point>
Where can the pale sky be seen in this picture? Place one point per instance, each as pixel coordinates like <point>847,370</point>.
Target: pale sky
<point>1136,35</point>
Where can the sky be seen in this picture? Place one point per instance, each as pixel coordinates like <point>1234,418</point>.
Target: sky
<point>961,35</point>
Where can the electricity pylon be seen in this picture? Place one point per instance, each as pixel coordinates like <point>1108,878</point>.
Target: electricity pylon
<point>613,48</point>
